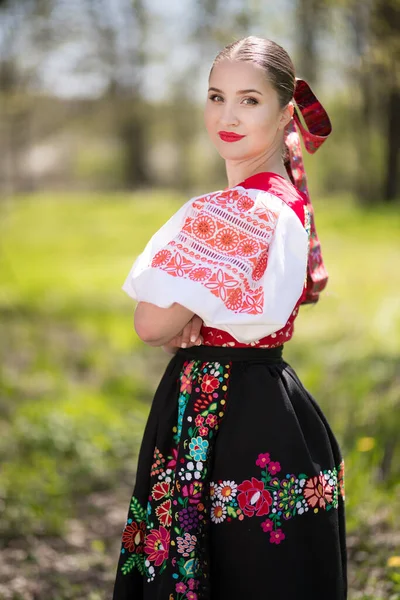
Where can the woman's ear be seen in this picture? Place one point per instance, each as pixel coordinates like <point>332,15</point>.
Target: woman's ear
<point>286,115</point>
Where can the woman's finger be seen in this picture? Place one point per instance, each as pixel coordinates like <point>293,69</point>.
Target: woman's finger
<point>196,325</point>
<point>185,337</point>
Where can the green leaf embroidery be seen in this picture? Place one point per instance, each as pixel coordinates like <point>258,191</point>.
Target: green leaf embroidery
<point>128,564</point>
<point>231,511</point>
<point>137,510</point>
<point>303,476</point>
<point>140,563</point>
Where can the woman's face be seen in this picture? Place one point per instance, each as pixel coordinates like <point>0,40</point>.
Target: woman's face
<point>241,101</point>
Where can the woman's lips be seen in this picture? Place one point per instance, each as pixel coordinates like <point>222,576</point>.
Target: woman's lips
<point>229,136</point>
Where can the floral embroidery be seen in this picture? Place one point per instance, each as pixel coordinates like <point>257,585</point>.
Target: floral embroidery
<point>261,265</point>
<point>228,229</point>
<point>254,499</point>
<point>170,528</point>
<point>157,544</point>
<point>277,499</point>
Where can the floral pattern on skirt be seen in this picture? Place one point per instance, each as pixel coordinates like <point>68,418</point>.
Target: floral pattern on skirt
<point>171,530</point>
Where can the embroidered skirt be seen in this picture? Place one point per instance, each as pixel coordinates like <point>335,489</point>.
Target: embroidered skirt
<point>239,491</point>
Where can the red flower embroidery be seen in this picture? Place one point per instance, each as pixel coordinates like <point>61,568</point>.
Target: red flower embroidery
<point>160,490</point>
<point>234,299</point>
<point>178,266</point>
<point>261,265</point>
<point>133,536</point>
<point>200,274</point>
<point>227,239</point>
<point>248,248</point>
<point>157,545</point>
<point>209,383</point>
<point>199,420</point>
<point>186,384</point>
<point>164,513</point>
<point>245,203</point>
<point>254,498</point>
<point>227,197</point>
<point>254,303</point>
<point>161,258</point>
<point>211,420</point>
<point>220,282</point>
<point>203,227</point>
<point>317,491</point>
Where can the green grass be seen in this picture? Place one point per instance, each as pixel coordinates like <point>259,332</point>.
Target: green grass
<point>76,382</point>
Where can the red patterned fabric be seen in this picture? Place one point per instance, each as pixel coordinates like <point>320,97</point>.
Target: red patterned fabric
<point>217,225</point>
<point>319,128</point>
<point>281,188</point>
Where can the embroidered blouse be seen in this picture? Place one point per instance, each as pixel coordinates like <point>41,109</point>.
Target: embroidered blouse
<point>235,257</point>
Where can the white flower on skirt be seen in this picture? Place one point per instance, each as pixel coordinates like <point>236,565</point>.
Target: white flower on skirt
<point>218,512</point>
<point>226,491</point>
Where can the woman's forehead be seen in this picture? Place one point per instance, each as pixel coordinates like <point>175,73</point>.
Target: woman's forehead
<point>234,75</point>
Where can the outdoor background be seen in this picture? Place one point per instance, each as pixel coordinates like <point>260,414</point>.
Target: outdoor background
<point>101,140</point>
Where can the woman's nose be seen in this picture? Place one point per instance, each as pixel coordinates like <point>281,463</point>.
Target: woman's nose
<point>229,116</point>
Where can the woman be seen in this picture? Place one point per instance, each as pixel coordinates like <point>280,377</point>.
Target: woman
<point>239,490</point>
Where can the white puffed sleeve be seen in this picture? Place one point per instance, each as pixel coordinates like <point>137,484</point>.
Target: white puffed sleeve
<point>237,258</point>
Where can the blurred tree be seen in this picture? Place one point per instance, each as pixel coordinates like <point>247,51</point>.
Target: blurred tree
<point>310,20</point>
<point>120,32</point>
<point>386,56</point>
<point>16,107</point>
<point>376,42</point>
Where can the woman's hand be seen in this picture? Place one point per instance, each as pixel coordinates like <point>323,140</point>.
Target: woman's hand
<point>188,337</point>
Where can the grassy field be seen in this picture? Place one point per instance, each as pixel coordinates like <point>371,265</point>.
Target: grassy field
<point>76,383</point>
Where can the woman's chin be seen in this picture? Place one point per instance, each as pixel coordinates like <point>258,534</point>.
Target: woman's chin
<point>230,153</point>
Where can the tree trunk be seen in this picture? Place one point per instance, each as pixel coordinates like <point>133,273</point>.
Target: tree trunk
<point>392,174</point>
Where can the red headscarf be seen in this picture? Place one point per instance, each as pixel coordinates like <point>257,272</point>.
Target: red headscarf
<point>319,128</point>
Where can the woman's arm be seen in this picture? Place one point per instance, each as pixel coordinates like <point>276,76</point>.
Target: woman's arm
<point>157,326</point>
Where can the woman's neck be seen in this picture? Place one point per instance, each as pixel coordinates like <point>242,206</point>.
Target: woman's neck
<point>236,173</point>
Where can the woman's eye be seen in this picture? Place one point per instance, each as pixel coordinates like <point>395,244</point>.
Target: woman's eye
<point>215,98</point>
<point>250,101</point>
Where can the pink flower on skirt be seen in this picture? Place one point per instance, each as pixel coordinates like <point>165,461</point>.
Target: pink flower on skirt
<point>276,537</point>
<point>267,525</point>
<point>274,467</point>
<point>157,544</point>
<point>263,460</point>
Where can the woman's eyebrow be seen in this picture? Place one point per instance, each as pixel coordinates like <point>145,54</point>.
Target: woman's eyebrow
<point>213,89</point>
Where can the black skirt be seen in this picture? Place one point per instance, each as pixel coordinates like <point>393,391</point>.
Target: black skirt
<point>239,492</point>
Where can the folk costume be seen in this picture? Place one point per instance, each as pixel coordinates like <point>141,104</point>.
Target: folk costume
<point>239,490</point>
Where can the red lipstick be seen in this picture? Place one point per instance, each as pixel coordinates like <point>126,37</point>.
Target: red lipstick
<point>229,136</point>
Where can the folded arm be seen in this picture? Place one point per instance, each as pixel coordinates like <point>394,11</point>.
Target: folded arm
<point>157,326</point>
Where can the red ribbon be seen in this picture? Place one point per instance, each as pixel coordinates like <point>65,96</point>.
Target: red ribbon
<point>318,127</point>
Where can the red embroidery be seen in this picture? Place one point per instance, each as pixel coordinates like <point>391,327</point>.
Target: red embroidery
<point>223,245</point>
<point>261,265</point>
